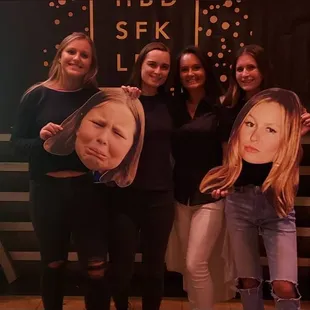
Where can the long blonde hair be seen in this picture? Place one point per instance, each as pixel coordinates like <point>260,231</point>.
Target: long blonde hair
<point>55,73</point>
<point>283,178</point>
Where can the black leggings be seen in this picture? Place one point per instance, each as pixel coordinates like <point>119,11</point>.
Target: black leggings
<point>132,211</point>
<point>61,208</point>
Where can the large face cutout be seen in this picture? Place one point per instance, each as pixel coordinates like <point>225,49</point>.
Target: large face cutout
<point>261,133</point>
<point>105,136</point>
<point>107,133</point>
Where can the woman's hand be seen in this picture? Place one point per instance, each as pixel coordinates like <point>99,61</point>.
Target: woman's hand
<point>217,193</point>
<point>49,130</point>
<point>305,120</point>
<point>133,92</point>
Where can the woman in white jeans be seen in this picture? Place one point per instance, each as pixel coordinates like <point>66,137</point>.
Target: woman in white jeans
<point>198,233</point>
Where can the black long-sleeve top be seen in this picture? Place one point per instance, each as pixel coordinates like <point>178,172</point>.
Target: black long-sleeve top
<point>228,117</point>
<point>155,165</point>
<point>196,148</point>
<point>37,108</point>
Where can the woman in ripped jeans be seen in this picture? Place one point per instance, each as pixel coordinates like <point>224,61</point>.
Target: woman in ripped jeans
<point>259,178</point>
<point>64,200</point>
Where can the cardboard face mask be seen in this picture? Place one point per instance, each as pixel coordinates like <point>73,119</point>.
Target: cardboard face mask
<point>266,130</point>
<point>107,134</point>
<point>261,132</point>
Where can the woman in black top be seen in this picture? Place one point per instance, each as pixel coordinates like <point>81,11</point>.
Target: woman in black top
<point>61,188</point>
<point>197,148</point>
<point>251,73</point>
<point>146,206</point>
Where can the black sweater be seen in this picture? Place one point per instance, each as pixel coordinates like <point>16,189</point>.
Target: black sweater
<point>196,148</point>
<point>39,107</point>
<point>155,165</point>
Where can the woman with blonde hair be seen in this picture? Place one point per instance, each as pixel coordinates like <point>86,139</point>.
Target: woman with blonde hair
<point>62,194</point>
<point>260,176</point>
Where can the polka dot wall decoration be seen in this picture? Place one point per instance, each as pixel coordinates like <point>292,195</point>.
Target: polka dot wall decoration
<point>224,28</point>
<point>66,16</point>
<point>208,32</point>
<point>213,19</point>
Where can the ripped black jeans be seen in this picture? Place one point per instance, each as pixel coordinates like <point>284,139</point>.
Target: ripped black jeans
<point>61,208</point>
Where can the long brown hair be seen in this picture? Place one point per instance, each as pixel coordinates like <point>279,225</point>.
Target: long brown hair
<point>135,78</point>
<point>283,178</point>
<point>235,92</point>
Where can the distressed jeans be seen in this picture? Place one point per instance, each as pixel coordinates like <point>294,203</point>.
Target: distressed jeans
<point>249,214</point>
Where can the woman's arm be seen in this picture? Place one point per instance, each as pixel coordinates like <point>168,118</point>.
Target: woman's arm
<point>24,137</point>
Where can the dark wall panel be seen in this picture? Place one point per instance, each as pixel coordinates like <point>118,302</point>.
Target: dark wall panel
<point>31,30</point>
<point>124,29</point>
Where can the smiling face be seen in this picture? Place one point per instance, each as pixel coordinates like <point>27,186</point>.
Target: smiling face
<point>105,136</point>
<point>261,132</point>
<point>248,75</point>
<point>76,59</point>
<point>192,73</point>
<point>154,70</point>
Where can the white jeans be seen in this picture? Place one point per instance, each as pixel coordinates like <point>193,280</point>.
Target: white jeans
<point>198,228</point>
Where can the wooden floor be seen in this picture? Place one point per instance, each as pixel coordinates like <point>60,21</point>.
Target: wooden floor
<point>76,303</point>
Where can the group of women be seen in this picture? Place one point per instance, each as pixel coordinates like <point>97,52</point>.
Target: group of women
<point>185,138</point>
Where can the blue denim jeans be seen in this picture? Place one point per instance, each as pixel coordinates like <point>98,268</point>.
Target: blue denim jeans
<point>249,214</point>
